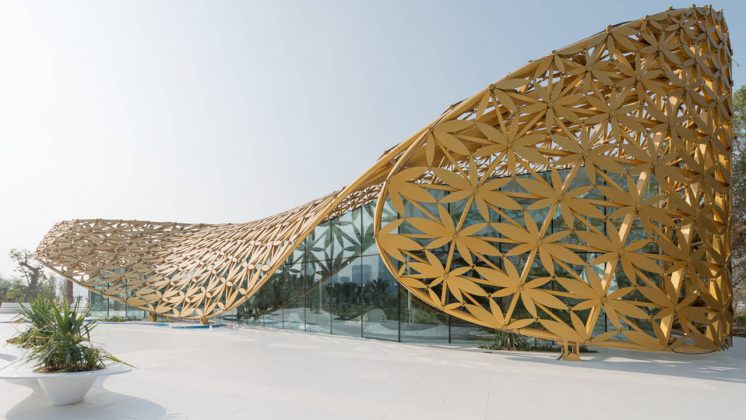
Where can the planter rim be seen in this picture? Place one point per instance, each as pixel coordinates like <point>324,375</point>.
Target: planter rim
<point>20,369</point>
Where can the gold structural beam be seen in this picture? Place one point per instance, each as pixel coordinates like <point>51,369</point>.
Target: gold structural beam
<point>584,198</point>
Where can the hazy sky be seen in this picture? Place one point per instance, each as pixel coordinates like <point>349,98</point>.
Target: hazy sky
<point>228,111</point>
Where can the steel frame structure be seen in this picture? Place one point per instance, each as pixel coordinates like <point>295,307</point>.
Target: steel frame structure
<point>591,183</point>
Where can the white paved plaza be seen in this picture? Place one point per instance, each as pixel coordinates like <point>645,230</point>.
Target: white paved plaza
<point>272,374</point>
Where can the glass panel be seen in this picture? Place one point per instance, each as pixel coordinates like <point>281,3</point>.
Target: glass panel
<point>319,244</point>
<point>318,317</point>
<point>274,294</point>
<point>299,253</point>
<point>117,309</point>
<point>380,300</point>
<point>346,298</point>
<point>421,322</point>
<point>514,187</point>
<point>99,305</point>
<point>252,310</point>
<point>346,234</point>
<point>367,212</point>
<point>134,313</point>
<point>294,314</point>
<point>263,305</point>
<point>466,332</point>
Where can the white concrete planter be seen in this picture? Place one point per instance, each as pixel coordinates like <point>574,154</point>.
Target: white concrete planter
<point>61,388</point>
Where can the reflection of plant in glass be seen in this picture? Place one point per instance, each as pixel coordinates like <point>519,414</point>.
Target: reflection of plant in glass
<point>376,292</point>
<point>422,315</point>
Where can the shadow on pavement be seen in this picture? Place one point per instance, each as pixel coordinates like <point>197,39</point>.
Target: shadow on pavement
<point>98,404</point>
<point>727,366</point>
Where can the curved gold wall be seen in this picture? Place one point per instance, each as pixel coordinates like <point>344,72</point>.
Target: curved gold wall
<point>591,184</point>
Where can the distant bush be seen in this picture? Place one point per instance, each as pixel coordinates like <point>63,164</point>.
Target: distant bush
<point>739,324</point>
<point>506,340</point>
<point>117,318</point>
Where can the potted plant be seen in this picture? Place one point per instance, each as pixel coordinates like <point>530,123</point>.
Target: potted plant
<point>59,353</point>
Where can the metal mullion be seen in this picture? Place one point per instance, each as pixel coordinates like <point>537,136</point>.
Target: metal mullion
<point>330,262</point>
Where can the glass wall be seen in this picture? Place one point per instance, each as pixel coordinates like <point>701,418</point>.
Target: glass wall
<point>103,307</point>
<point>336,283</point>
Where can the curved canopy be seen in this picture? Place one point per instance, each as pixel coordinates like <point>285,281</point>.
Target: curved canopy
<point>590,186</point>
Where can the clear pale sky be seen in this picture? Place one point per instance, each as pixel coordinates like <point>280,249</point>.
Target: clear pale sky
<point>230,111</point>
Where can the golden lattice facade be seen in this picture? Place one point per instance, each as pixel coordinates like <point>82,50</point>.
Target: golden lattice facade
<point>592,181</point>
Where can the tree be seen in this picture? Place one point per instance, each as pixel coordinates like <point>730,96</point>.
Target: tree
<point>32,272</point>
<point>738,182</point>
<point>5,287</point>
<point>13,291</point>
<point>68,291</point>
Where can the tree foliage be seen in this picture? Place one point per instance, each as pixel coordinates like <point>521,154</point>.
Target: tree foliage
<point>738,236</point>
<point>32,281</point>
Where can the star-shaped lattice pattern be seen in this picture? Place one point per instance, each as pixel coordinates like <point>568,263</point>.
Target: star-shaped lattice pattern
<point>583,198</point>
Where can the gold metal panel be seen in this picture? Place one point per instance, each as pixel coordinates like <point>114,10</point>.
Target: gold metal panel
<point>591,184</point>
<point>590,187</point>
<point>178,270</point>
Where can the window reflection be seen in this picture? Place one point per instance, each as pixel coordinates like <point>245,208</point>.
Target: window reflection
<point>421,323</point>
<point>346,297</point>
<point>318,315</point>
<point>380,300</point>
<point>294,312</point>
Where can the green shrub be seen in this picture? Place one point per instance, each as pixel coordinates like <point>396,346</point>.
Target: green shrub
<point>61,342</point>
<point>117,318</point>
<point>505,340</point>
<point>38,314</point>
